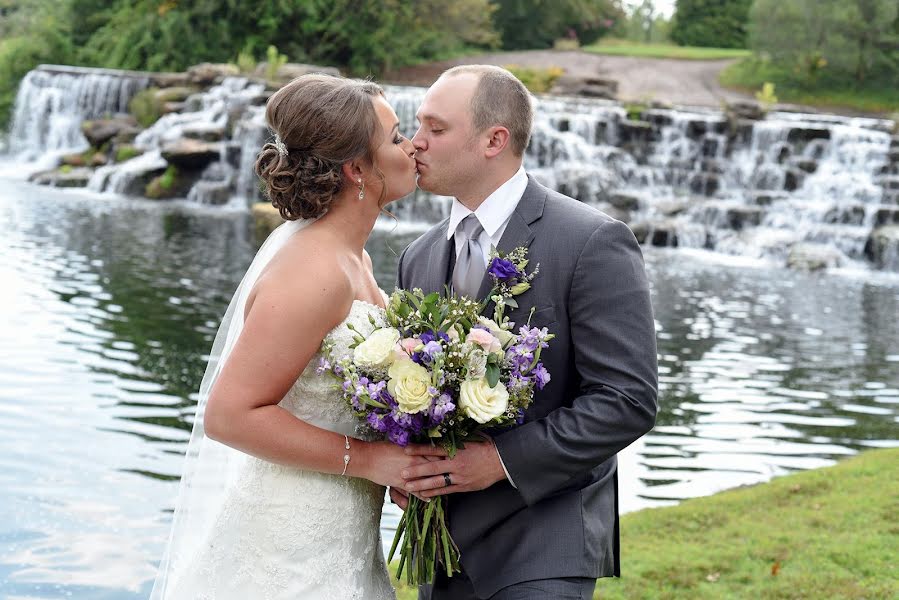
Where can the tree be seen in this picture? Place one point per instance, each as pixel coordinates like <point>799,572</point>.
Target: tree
<point>711,23</point>
<point>31,32</point>
<point>527,24</point>
<point>840,40</point>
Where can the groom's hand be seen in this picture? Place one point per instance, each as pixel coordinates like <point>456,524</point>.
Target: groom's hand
<point>475,467</point>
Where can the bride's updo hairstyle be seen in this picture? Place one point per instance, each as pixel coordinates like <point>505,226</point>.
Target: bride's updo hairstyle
<point>322,121</point>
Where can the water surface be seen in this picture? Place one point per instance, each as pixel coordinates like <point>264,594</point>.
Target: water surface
<point>111,305</point>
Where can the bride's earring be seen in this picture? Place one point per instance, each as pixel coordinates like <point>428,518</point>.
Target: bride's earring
<point>361,189</point>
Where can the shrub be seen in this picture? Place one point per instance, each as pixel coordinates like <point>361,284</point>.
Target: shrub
<point>538,80</point>
<point>146,106</point>
<point>126,152</point>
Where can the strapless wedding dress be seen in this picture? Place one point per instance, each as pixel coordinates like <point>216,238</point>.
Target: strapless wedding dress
<point>287,534</point>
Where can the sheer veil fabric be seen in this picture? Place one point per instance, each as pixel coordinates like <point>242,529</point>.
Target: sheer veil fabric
<point>210,468</point>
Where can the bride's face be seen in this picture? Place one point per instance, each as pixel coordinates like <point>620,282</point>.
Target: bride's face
<point>394,155</point>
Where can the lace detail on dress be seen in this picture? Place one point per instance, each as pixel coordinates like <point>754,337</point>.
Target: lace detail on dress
<point>313,398</point>
<point>286,533</point>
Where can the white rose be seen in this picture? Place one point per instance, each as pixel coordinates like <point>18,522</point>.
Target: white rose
<point>482,402</point>
<point>504,336</point>
<point>377,349</point>
<point>408,384</point>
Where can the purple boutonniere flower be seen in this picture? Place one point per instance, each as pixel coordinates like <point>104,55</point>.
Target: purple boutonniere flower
<point>503,269</point>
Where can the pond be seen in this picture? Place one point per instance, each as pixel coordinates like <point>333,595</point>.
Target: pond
<point>111,305</point>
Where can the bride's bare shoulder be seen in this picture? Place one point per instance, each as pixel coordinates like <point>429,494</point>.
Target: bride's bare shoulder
<point>308,275</point>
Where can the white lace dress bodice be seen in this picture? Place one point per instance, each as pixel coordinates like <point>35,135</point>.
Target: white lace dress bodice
<point>285,533</point>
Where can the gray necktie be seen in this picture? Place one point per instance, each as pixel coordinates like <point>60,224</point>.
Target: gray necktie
<point>469,270</point>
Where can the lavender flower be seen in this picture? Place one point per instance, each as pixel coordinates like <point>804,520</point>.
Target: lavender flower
<point>542,375</point>
<point>323,366</point>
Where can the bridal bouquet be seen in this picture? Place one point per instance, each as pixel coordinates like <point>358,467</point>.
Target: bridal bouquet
<point>441,373</point>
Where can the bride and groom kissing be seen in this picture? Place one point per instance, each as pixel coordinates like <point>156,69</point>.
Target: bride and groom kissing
<point>282,489</point>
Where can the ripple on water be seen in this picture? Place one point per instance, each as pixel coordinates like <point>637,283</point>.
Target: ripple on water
<point>762,372</point>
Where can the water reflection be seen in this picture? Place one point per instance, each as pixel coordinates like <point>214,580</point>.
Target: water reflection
<point>112,305</point>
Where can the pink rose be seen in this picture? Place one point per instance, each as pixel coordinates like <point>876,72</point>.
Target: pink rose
<point>410,344</point>
<point>484,339</point>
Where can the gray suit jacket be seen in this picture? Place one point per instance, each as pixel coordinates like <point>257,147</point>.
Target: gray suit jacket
<point>593,294</point>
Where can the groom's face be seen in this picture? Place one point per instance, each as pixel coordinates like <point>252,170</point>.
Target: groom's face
<point>446,147</point>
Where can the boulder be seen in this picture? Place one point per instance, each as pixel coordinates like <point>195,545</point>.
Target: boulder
<point>205,132</point>
<point>591,86</point>
<point>886,216</point>
<point>661,233</point>
<point>206,74</point>
<point>745,109</point>
<point>671,208</point>
<point>806,164</point>
<point>807,134</point>
<point>706,184</point>
<point>175,94</point>
<point>190,154</point>
<point>846,215</point>
<point>640,231</point>
<point>882,247</point>
<point>739,217</point>
<point>632,132</point>
<point>65,178</point>
<point>290,71</point>
<point>793,179</point>
<point>623,201</point>
<point>808,256</point>
<point>100,131</point>
<point>267,218</point>
<point>164,80</point>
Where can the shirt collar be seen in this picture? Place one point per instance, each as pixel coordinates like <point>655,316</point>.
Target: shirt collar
<point>496,209</point>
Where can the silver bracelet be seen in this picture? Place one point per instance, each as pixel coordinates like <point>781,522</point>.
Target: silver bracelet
<point>346,457</point>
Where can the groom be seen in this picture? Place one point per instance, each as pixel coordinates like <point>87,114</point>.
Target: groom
<point>535,510</point>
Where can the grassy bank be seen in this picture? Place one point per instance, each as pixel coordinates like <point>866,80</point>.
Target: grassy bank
<point>827,533</point>
<point>749,74</point>
<point>628,48</point>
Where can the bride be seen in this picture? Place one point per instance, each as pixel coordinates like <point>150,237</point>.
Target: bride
<point>282,489</point>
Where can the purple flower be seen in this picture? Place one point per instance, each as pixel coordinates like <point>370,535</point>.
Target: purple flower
<point>398,436</point>
<point>519,419</point>
<point>431,350</point>
<point>441,405</point>
<point>376,421</point>
<point>503,269</point>
<point>541,374</point>
<point>323,365</point>
<point>431,336</point>
<point>519,358</point>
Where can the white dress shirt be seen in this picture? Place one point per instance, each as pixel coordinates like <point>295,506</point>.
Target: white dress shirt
<point>494,214</point>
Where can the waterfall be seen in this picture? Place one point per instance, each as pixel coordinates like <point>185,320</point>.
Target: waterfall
<point>52,102</point>
<point>679,177</point>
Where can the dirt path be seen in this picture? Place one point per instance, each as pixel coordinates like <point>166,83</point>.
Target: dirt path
<point>680,82</point>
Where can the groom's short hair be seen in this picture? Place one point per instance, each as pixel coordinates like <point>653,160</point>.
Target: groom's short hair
<point>499,99</point>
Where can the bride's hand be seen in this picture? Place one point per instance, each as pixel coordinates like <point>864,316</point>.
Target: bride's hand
<point>384,462</point>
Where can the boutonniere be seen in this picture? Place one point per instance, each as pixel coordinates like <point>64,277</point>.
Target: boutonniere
<point>509,279</point>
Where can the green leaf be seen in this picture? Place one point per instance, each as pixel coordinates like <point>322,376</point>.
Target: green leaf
<point>492,374</point>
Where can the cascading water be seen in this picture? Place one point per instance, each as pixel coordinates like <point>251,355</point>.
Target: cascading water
<point>53,101</point>
<point>689,178</point>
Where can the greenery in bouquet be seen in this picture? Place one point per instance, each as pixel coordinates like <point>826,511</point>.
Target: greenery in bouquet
<point>438,371</point>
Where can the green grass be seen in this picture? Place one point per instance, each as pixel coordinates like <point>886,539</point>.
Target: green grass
<point>750,74</point>
<point>826,533</point>
<point>628,48</point>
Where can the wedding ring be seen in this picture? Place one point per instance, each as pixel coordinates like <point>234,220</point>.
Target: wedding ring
<point>447,480</point>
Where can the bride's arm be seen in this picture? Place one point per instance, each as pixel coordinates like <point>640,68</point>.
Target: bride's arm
<point>283,329</point>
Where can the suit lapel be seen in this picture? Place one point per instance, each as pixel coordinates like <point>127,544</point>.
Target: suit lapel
<point>438,260</point>
<point>519,230</point>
